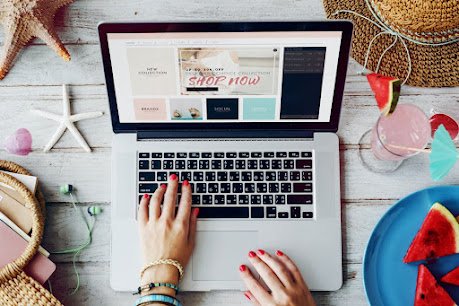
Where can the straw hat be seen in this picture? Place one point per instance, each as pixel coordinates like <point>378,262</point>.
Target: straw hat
<point>428,28</point>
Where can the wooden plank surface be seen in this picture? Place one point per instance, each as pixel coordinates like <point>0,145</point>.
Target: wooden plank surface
<point>35,80</point>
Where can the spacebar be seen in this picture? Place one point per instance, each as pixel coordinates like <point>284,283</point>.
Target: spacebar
<point>223,212</point>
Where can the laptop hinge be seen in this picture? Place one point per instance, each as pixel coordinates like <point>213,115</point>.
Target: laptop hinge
<point>184,134</point>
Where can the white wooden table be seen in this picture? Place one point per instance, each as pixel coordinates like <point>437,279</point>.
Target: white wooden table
<point>35,82</point>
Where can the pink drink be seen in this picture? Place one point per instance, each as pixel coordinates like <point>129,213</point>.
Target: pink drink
<point>407,126</point>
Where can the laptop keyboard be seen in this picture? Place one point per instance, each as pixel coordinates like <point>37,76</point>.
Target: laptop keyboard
<point>236,185</point>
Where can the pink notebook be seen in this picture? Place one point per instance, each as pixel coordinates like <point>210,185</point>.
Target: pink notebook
<point>12,246</point>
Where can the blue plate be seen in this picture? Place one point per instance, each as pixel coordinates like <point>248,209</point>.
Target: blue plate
<point>389,281</point>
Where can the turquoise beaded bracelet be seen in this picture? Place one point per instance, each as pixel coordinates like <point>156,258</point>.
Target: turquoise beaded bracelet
<point>158,298</point>
<point>153,285</point>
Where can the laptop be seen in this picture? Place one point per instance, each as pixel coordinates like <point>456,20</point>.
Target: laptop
<point>247,112</point>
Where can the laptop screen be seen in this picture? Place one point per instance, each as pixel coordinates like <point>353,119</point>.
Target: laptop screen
<point>224,77</point>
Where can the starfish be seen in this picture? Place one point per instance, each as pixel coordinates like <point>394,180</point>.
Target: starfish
<point>24,19</point>
<point>66,121</point>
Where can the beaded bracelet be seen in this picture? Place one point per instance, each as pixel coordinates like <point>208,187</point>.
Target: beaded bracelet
<point>158,298</point>
<point>172,262</point>
<point>150,286</point>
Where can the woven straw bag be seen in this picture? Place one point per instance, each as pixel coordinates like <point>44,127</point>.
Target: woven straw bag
<point>16,287</point>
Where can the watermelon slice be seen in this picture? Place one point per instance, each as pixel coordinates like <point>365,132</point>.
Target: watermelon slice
<point>429,292</point>
<point>387,91</point>
<point>452,277</point>
<point>438,236</point>
<point>450,125</point>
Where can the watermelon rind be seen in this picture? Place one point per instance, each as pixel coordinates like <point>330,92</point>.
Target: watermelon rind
<point>387,92</point>
<point>430,238</point>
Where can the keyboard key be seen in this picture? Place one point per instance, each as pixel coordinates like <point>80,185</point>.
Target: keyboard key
<point>264,164</point>
<point>195,199</point>
<point>144,164</point>
<point>243,199</point>
<point>234,176</point>
<point>258,176</point>
<point>294,154</point>
<point>155,164</point>
<point>276,164</point>
<point>210,176</point>
<point>192,164</point>
<point>192,187</point>
<point>255,154</point>
<point>252,164</point>
<point>271,176</point>
<point>168,164</point>
<point>286,187</point>
<point>185,176</point>
<point>223,212</point>
<point>282,176</point>
<point>289,163</point>
<point>299,199</point>
<point>268,154</point>
<point>228,164</point>
<point>206,200</point>
<point>231,155</point>
<point>156,155</point>
<point>181,155</point>
<point>302,187</point>
<point>144,155</point>
<point>238,188</point>
<point>198,176</point>
<point>219,155</point>
<point>255,199</point>
<point>201,187</point>
<point>306,175</point>
<point>147,188</point>
<point>295,212</point>
<point>180,164</point>
<point>282,214</point>
<point>307,214</point>
<point>240,164</point>
<point>295,175</point>
<point>176,174</point>
<point>212,188</point>
<point>306,154</point>
<point>146,176</point>
<point>222,176</point>
<point>246,176</point>
<point>169,155</point>
<point>162,176</point>
<point>244,154</point>
<point>219,199</point>
<point>268,199</point>
<point>231,199</point>
<point>257,212</point>
<point>206,155</point>
<point>249,188</point>
<point>216,164</point>
<point>225,187</point>
<point>280,199</point>
<point>204,164</point>
<point>194,155</point>
<point>262,188</point>
<point>271,212</point>
<point>281,154</point>
<point>303,163</point>
<point>273,187</point>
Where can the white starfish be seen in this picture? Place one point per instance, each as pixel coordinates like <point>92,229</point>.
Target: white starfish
<point>66,121</point>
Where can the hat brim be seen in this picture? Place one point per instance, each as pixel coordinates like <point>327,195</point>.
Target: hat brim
<point>431,66</point>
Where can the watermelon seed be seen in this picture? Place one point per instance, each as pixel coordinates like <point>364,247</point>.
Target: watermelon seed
<point>423,296</point>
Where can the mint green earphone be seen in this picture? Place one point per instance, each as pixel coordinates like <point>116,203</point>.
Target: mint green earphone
<point>92,211</point>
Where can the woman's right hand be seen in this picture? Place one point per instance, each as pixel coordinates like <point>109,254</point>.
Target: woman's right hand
<point>282,276</point>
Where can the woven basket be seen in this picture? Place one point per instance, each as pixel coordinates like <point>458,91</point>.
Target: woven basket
<point>16,287</point>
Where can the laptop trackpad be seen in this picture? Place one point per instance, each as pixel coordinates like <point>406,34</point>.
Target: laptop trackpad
<point>218,255</point>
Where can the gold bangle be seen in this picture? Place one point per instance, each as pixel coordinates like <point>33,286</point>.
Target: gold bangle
<point>163,261</point>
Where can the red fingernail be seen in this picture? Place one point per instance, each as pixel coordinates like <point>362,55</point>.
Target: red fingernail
<point>252,254</point>
<point>261,252</point>
<point>145,196</point>
<point>196,212</point>
<point>279,253</point>
<point>163,186</point>
<point>242,268</point>
<point>173,177</point>
<point>185,183</point>
<point>247,296</point>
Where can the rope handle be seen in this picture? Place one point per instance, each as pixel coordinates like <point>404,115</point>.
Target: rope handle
<point>36,207</point>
